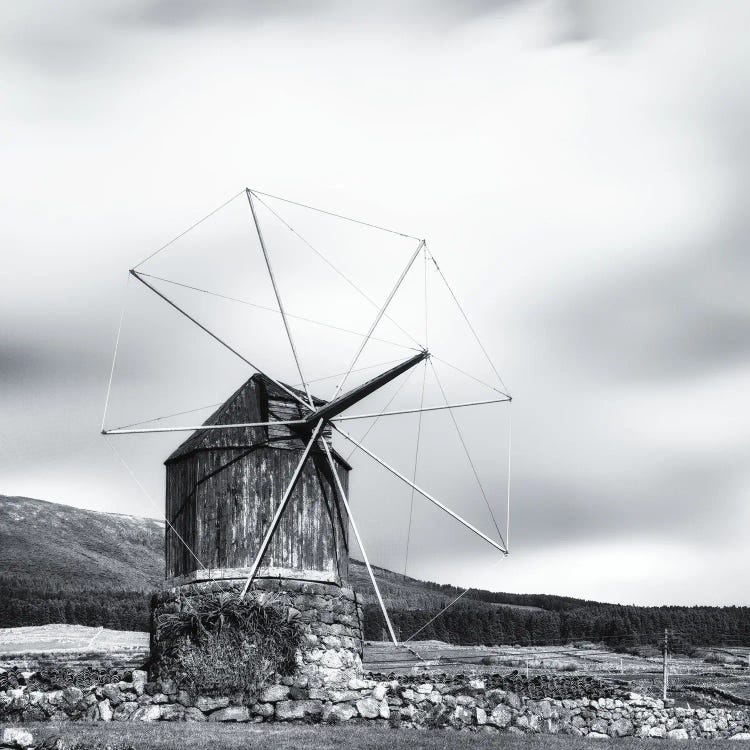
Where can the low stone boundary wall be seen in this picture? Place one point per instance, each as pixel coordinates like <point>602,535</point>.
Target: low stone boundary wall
<point>467,704</point>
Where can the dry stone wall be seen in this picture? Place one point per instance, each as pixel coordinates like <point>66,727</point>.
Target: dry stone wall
<point>465,704</point>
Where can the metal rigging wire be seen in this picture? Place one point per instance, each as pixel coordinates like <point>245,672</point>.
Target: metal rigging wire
<point>168,416</point>
<point>191,227</point>
<point>213,406</point>
<point>274,310</point>
<point>153,503</point>
<point>330,213</point>
<point>497,562</point>
<point>357,369</point>
<point>468,456</point>
<point>469,375</point>
<point>375,421</point>
<point>468,322</point>
<point>414,474</point>
<point>448,606</point>
<point>257,195</point>
<point>419,424</point>
<point>337,270</point>
<point>114,356</point>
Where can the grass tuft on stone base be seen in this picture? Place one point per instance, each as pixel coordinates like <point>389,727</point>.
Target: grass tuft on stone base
<point>216,644</point>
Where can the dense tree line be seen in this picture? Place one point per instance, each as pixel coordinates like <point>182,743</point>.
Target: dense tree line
<point>620,627</point>
<point>27,601</point>
<point>478,620</point>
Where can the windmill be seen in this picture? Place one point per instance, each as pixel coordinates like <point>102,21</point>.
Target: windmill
<point>258,491</point>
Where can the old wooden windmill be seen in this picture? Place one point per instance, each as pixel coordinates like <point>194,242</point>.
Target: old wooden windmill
<point>257,492</point>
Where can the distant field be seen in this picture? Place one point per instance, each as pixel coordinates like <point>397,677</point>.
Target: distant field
<point>74,646</point>
<point>68,638</point>
<point>523,607</point>
<point>691,679</point>
<point>194,736</point>
<point>585,658</point>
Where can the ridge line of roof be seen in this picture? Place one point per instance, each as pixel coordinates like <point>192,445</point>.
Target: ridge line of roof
<point>196,440</point>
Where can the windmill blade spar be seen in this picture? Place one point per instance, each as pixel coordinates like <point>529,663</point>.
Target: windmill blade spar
<point>422,492</point>
<point>337,405</point>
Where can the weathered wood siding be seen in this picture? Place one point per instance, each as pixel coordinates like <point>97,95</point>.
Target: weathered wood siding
<point>221,502</point>
<point>223,487</point>
<point>285,411</point>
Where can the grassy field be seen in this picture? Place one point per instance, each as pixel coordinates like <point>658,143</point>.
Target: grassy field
<point>68,638</point>
<point>74,646</point>
<point>64,640</point>
<point>169,736</point>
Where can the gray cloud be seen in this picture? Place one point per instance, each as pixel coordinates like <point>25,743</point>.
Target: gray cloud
<point>679,319</point>
<point>676,501</point>
<point>191,12</point>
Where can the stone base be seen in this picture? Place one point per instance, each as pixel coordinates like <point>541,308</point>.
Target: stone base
<point>330,618</point>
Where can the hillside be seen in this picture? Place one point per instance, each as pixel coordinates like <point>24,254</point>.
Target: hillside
<point>60,544</point>
<point>412,593</point>
<point>60,564</point>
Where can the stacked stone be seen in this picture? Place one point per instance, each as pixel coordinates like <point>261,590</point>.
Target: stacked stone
<point>18,738</point>
<point>469,705</point>
<point>330,618</point>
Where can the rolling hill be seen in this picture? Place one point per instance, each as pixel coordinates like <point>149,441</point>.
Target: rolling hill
<point>60,544</point>
<point>65,547</point>
<point>60,564</point>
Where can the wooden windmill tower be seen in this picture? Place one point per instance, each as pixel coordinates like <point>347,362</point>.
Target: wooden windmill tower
<point>257,497</point>
<point>262,500</point>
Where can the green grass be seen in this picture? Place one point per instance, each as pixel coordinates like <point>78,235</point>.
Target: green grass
<point>168,736</point>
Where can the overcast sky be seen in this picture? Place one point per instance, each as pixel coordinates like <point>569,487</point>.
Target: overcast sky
<point>580,170</point>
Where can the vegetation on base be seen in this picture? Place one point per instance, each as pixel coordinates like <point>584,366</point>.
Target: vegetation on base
<point>215,643</point>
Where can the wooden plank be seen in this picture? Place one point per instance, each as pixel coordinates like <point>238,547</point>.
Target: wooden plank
<point>223,487</point>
